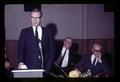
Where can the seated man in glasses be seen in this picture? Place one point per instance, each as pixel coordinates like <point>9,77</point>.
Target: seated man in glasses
<point>92,65</point>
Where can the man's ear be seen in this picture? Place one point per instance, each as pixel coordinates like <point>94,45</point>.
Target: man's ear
<point>92,49</point>
<point>30,18</point>
<point>41,18</point>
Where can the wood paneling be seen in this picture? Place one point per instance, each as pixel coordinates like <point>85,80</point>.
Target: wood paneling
<point>84,47</point>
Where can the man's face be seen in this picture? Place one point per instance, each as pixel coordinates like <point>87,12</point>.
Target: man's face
<point>7,64</point>
<point>67,43</point>
<point>36,18</point>
<point>96,50</point>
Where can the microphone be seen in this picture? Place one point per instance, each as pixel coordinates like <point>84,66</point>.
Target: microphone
<point>61,69</point>
<point>40,41</point>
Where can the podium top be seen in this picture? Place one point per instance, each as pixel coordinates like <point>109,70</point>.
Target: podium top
<point>29,70</point>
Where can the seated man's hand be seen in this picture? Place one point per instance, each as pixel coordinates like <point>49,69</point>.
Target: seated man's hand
<point>22,66</point>
<point>99,57</point>
<point>74,73</point>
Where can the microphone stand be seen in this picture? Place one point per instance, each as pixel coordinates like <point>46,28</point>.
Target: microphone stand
<point>51,74</point>
<point>61,69</point>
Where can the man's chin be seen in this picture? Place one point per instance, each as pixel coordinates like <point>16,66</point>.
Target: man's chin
<point>36,25</point>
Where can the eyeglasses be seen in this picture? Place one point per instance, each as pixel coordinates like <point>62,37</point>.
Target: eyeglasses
<point>68,42</point>
<point>96,50</point>
<point>36,17</point>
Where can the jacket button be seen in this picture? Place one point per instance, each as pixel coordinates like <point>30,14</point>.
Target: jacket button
<point>39,57</point>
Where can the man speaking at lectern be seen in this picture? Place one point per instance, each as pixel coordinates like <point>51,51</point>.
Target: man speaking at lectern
<point>35,47</point>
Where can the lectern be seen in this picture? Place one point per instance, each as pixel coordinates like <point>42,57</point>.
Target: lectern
<point>28,73</point>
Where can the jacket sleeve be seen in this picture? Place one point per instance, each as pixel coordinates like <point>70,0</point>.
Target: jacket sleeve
<point>21,47</point>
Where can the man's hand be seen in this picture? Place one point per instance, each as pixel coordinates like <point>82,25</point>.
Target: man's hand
<point>22,66</point>
<point>99,58</point>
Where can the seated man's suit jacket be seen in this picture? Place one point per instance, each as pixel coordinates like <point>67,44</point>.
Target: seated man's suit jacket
<point>98,69</point>
<point>72,61</point>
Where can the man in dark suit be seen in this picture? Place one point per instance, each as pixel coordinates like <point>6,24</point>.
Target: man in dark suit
<point>93,63</point>
<point>35,48</point>
<point>65,58</point>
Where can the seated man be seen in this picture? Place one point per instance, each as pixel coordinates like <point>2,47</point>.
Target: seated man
<point>8,69</point>
<point>65,58</point>
<point>92,65</point>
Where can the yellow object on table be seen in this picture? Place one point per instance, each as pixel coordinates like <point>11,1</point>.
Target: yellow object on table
<point>74,73</point>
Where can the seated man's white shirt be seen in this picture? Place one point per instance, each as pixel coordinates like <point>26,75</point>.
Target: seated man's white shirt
<point>66,57</point>
<point>92,59</point>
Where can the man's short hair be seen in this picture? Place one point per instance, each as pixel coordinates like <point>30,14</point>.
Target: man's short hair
<point>68,38</point>
<point>36,10</point>
<point>97,45</point>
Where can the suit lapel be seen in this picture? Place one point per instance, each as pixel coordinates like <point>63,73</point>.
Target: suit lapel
<point>60,47</point>
<point>32,34</point>
<point>42,34</point>
<point>70,58</point>
<point>89,62</point>
<point>32,37</point>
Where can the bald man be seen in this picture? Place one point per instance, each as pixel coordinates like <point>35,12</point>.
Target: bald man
<point>93,62</point>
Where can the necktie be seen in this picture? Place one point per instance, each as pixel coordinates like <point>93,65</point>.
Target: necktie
<point>59,61</point>
<point>94,61</point>
<point>36,33</point>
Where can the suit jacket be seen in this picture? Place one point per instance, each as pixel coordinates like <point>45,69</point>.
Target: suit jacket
<point>73,57</point>
<point>28,51</point>
<point>98,69</point>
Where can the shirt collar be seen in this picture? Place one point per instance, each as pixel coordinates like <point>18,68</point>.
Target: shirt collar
<point>35,27</point>
<point>65,48</point>
<point>93,56</point>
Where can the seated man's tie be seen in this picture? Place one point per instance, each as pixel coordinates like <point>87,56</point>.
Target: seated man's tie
<point>59,61</point>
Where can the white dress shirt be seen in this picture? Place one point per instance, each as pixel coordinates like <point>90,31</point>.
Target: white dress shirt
<point>66,57</point>
<point>92,59</point>
<point>39,31</point>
